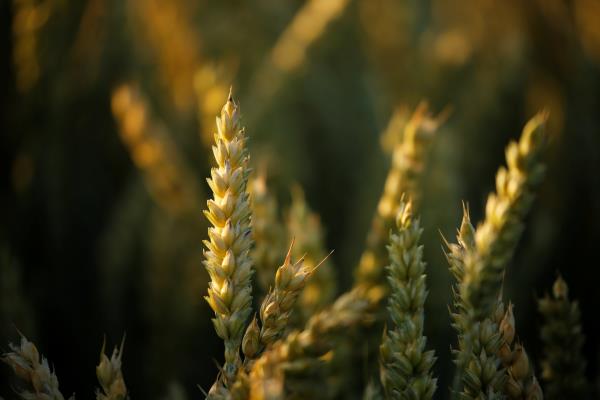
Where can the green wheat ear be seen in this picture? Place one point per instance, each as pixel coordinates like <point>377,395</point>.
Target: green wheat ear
<point>497,236</point>
<point>227,255</point>
<point>478,263</point>
<point>563,364</point>
<point>405,364</point>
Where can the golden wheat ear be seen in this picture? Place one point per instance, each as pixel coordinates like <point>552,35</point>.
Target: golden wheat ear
<point>109,374</point>
<point>227,255</point>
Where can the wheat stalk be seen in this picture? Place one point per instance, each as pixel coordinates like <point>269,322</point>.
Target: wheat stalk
<point>405,365</point>
<point>227,257</point>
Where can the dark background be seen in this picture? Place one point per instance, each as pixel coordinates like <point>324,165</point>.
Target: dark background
<point>88,250</point>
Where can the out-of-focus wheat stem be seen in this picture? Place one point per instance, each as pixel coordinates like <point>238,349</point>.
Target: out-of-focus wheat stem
<point>563,363</point>
<point>210,89</point>
<point>305,227</point>
<point>171,184</point>
<point>289,53</point>
<point>407,164</point>
<point>28,20</point>
<point>405,364</point>
<point>34,371</point>
<point>227,255</point>
<point>267,230</point>
<point>166,29</point>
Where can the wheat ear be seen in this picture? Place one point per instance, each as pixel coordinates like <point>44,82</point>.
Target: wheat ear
<point>563,364</point>
<point>227,257</point>
<point>34,371</point>
<point>521,382</point>
<point>405,364</point>
<point>277,306</point>
<point>303,353</point>
<point>497,236</point>
<point>479,260</point>
<point>110,376</point>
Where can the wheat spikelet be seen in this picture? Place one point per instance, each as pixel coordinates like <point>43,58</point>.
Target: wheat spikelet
<point>405,365</point>
<point>521,382</point>
<point>563,364</point>
<point>277,306</point>
<point>34,371</point>
<point>227,257</point>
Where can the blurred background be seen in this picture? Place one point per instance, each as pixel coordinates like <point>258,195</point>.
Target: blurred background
<point>107,115</point>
